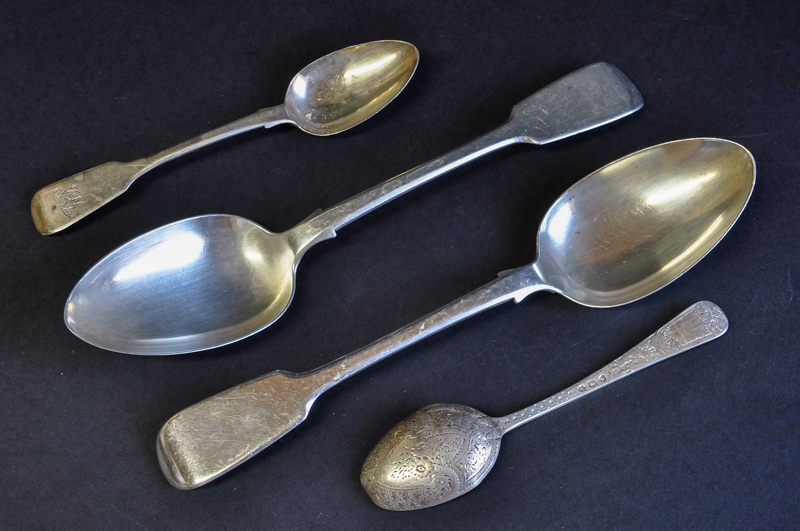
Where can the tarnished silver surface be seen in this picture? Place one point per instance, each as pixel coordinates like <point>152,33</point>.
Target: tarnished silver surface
<point>210,438</point>
<point>331,95</point>
<point>445,450</point>
<point>207,281</point>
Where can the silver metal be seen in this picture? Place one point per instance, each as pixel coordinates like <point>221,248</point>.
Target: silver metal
<point>208,439</point>
<point>445,450</point>
<point>208,281</point>
<point>331,95</point>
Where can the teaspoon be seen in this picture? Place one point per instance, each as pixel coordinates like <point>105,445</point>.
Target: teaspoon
<point>619,234</point>
<point>331,95</point>
<point>445,450</point>
<point>207,281</point>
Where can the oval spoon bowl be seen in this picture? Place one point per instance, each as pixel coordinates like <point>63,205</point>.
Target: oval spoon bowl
<point>188,267</point>
<point>342,89</point>
<point>617,235</point>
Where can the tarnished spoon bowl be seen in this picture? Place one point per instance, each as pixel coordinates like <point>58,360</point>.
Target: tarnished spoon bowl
<point>342,89</point>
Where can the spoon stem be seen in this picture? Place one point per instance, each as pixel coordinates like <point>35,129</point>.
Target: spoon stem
<point>324,225</point>
<point>698,324</point>
<point>514,284</point>
<point>268,117</point>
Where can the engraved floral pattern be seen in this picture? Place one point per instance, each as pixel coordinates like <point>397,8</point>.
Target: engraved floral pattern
<point>693,326</point>
<point>431,457</point>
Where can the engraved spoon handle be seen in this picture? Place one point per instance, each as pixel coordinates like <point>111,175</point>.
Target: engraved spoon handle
<point>324,225</point>
<point>587,98</point>
<point>62,203</point>
<point>210,438</point>
<point>698,324</point>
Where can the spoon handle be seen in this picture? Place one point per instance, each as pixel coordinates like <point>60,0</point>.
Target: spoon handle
<point>585,99</point>
<point>210,438</point>
<point>62,203</point>
<point>324,225</point>
<point>698,324</point>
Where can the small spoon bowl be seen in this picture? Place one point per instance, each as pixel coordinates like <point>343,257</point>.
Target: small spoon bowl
<point>342,89</point>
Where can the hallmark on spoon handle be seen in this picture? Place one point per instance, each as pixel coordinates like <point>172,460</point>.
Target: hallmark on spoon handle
<point>698,324</point>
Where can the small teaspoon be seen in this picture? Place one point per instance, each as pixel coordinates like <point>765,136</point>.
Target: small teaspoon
<point>445,450</point>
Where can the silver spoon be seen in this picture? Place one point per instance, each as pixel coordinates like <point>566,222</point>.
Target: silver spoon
<point>211,280</point>
<point>445,450</point>
<point>618,235</point>
<point>331,95</point>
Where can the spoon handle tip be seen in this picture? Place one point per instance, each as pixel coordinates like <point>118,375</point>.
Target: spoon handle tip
<point>60,204</point>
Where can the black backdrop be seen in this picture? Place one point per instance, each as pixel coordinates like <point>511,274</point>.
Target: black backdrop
<point>707,440</point>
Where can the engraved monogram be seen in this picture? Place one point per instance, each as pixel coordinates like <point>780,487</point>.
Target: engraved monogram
<point>68,200</point>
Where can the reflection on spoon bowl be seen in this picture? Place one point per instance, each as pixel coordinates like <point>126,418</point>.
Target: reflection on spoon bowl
<point>622,234</point>
<point>186,272</point>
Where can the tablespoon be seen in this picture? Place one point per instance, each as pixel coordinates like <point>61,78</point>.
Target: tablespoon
<point>619,234</point>
<point>331,95</point>
<point>445,450</point>
<point>211,280</point>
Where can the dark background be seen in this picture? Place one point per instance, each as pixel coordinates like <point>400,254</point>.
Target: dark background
<point>707,440</point>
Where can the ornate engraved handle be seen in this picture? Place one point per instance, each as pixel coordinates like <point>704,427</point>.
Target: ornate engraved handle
<point>698,324</point>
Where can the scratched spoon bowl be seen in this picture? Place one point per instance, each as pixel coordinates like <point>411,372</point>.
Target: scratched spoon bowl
<point>211,280</point>
<point>660,209</point>
<point>331,95</point>
<point>443,451</point>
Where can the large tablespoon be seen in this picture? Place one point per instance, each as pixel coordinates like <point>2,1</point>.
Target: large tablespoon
<point>445,450</point>
<point>211,280</point>
<point>619,234</point>
<point>331,95</point>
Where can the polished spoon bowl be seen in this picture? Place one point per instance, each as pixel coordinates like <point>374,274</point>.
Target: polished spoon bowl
<point>620,234</point>
<point>445,450</point>
<point>207,281</point>
<point>331,95</point>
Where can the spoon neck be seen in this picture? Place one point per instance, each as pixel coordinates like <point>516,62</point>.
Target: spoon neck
<point>325,224</point>
<point>267,117</point>
<point>511,285</point>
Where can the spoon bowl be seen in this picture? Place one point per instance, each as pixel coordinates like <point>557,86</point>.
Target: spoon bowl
<point>342,89</point>
<point>619,234</point>
<point>186,261</point>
